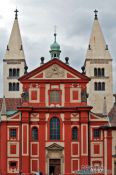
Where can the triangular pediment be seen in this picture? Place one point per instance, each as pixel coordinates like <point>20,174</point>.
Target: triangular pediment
<point>95,117</point>
<point>15,117</point>
<point>55,147</point>
<point>54,69</point>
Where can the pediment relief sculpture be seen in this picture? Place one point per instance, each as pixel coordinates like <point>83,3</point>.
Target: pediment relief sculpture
<point>55,71</point>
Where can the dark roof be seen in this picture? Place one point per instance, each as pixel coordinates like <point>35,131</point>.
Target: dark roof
<point>11,103</point>
<point>112,115</point>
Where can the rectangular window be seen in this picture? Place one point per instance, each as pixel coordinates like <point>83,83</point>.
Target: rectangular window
<point>96,133</point>
<point>13,164</point>
<point>13,133</point>
<point>54,96</point>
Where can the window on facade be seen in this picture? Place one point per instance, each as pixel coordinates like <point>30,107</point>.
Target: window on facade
<point>13,86</point>
<point>17,86</point>
<point>95,86</point>
<point>10,72</point>
<point>13,164</point>
<point>74,133</point>
<point>13,133</point>
<point>54,55</point>
<point>14,72</point>
<point>35,133</point>
<point>96,133</point>
<point>10,86</point>
<point>99,72</point>
<point>17,72</point>
<point>103,72</point>
<point>54,96</point>
<point>103,86</point>
<point>54,129</point>
<point>99,86</point>
<point>95,72</point>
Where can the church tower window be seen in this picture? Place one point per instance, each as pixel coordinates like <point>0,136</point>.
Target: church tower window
<point>55,129</point>
<point>55,55</point>
<point>17,86</point>
<point>99,72</point>
<point>10,72</point>
<point>17,72</point>
<point>10,86</point>
<point>103,86</point>
<point>103,72</point>
<point>95,72</point>
<point>100,86</point>
<point>74,133</point>
<point>95,86</point>
<point>14,72</point>
<point>13,86</point>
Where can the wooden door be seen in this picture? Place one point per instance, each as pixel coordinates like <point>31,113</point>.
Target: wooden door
<point>54,167</point>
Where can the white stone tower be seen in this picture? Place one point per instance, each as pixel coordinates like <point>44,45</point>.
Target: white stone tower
<point>98,66</point>
<point>13,63</point>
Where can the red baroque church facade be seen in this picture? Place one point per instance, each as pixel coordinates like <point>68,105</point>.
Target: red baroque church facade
<point>53,131</point>
<point>46,123</point>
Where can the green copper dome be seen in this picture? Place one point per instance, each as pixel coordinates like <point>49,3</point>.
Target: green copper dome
<point>55,49</point>
<point>55,45</point>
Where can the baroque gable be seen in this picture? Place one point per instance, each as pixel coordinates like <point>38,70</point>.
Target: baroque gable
<point>54,69</point>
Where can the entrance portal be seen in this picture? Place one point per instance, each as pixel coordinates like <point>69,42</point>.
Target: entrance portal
<point>54,166</point>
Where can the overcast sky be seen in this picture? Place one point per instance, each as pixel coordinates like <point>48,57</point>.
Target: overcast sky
<point>73,18</point>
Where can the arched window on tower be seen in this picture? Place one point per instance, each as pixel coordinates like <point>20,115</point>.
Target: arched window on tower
<point>18,72</point>
<point>10,72</point>
<point>103,86</point>
<point>34,133</point>
<point>55,129</point>
<point>14,72</point>
<point>99,86</point>
<point>99,72</point>
<point>17,86</point>
<point>95,72</point>
<point>10,87</point>
<point>74,133</point>
<point>13,86</point>
<point>95,86</point>
<point>103,72</point>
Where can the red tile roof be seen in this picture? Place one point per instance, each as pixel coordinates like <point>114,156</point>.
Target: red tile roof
<point>11,103</point>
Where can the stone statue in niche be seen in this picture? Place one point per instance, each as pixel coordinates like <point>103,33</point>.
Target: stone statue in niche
<point>25,96</point>
<point>84,95</point>
<point>54,72</point>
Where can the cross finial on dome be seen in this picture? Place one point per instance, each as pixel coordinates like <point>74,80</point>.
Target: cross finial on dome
<point>55,47</point>
<point>16,13</point>
<point>55,33</point>
<point>96,11</point>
